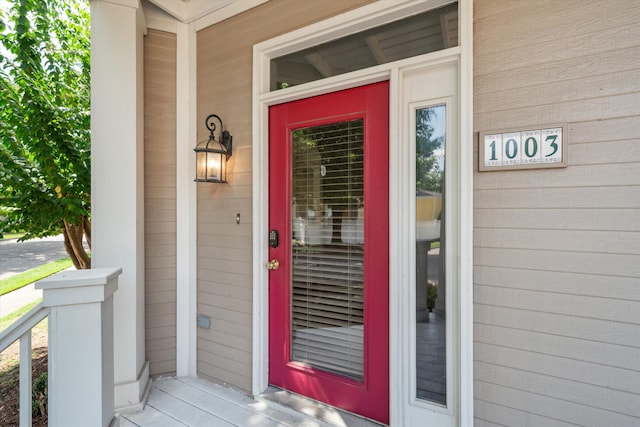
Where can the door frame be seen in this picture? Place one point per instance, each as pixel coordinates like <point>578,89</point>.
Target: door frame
<point>369,16</point>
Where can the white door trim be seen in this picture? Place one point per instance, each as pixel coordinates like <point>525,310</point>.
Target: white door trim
<point>427,84</point>
<point>465,25</point>
<point>353,21</point>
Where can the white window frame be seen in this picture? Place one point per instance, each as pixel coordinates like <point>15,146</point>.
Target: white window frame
<point>369,16</point>
<point>411,99</point>
<point>451,295</point>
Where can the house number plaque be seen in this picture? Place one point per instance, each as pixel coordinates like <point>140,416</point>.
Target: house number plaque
<point>544,147</point>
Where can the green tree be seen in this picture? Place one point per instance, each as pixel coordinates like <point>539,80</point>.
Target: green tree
<point>429,175</point>
<point>45,178</point>
<point>338,150</point>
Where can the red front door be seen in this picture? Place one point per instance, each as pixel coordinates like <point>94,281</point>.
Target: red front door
<point>329,222</point>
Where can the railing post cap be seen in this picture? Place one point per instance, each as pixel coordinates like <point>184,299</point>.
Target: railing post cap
<point>75,278</point>
<point>74,287</point>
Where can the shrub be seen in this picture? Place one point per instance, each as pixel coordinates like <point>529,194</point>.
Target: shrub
<point>40,395</point>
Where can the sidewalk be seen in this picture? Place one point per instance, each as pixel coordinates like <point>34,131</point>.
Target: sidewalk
<point>17,257</point>
<point>19,298</point>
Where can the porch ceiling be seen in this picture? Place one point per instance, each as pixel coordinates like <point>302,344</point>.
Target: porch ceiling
<point>190,10</point>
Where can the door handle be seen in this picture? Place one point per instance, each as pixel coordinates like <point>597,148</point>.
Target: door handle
<point>273,264</point>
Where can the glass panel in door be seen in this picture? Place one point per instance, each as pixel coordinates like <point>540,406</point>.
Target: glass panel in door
<point>327,286</point>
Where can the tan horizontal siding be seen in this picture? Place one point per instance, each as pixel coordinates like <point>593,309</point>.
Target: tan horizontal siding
<point>224,75</point>
<point>578,176</point>
<point>548,385</point>
<point>560,198</point>
<point>582,350</point>
<point>159,310</point>
<point>159,344</point>
<point>504,416</point>
<point>537,94</point>
<point>560,73</point>
<point>159,333</point>
<point>608,219</point>
<point>592,28</point>
<point>560,261</point>
<point>561,367</point>
<point>160,201</point>
<point>587,307</point>
<point>525,402</point>
<point>588,329</point>
<point>571,283</point>
<point>557,252</point>
<point>611,242</point>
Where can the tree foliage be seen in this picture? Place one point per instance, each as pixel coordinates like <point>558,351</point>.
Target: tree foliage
<point>429,174</point>
<point>45,121</point>
<point>329,170</point>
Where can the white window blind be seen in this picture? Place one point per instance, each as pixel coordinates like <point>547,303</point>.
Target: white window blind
<point>327,277</point>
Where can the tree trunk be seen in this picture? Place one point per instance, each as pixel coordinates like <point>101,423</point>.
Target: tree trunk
<point>73,236</point>
<point>86,222</point>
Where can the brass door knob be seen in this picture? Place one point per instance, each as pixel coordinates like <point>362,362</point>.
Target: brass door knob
<point>273,264</point>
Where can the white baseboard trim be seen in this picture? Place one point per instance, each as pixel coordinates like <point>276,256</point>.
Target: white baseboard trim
<point>132,396</point>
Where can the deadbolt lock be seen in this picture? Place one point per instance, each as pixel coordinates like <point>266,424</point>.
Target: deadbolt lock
<point>273,264</point>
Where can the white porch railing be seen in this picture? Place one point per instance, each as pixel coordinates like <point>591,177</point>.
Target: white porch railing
<point>21,330</point>
<point>81,384</point>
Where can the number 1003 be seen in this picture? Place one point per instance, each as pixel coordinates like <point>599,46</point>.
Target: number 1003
<point>505,150</point>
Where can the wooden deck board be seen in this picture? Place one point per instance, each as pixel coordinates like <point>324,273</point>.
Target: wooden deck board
<point>198,402</point>
<point>149,417</point>
<point>232,412</point>
<point>286,417</point>
<point>188,413</point>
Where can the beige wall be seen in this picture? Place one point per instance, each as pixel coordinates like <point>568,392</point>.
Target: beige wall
<point>557,282</point>
<point>160,200</point>
<point>224,53</point>
<point>557,253</point>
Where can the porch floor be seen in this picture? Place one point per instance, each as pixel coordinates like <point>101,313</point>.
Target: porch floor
<point>197,402</point>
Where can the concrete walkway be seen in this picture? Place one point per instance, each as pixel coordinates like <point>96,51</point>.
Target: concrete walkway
<point>17,257</point>
<point>19,298</point>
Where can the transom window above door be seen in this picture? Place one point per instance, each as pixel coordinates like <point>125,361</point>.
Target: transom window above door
<point>426,32</point>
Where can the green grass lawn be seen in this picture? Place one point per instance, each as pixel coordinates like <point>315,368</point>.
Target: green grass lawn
<point>7,236</point>
<point>12,317</point>
<point>19,280</point>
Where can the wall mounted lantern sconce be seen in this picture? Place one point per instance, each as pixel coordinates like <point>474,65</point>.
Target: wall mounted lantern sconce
<point>212,155</point>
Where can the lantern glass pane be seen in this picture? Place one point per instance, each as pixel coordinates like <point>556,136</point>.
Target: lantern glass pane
<point>201,165</point>
<point>214,166</point>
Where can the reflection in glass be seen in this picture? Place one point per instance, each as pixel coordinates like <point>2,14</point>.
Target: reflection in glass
<point>327,223</point>
<point>430,31</point>
<point>431,367</point>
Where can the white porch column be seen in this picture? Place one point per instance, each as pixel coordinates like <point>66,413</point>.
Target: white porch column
<point>80,346</point>
<point>186,198</point>
<point>117,120</point>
